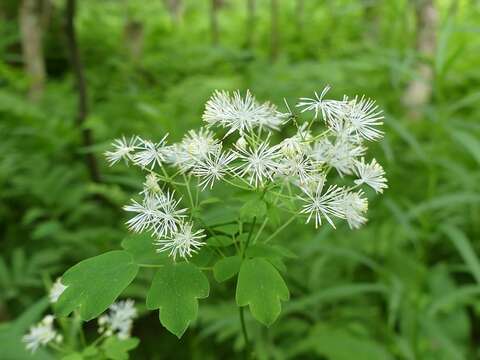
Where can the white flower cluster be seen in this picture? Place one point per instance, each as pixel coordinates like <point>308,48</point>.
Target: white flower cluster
<point>41,334</point>
<point>119,319</point>
<point>295,168</point>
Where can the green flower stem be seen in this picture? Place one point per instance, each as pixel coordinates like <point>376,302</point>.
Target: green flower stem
<point>56,347</point>
<point>259,232</point>
<point>250,233</point>
<point>187,185</point>
<point>240,309</point>
<point>284,225</point>
<point>244,332</point>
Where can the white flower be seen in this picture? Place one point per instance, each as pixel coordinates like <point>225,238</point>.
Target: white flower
<point>122,149</point>
<point>157,213</point>
<point>341,155</point>
<point>212,168</point>
<point>354,206</point>
<point>299,168</point>
<point>241,114</point>
<point>299,144</point>
<point>150,186</point>
<point>325,204</point>
<point>119,320</point>
<point>150,153</point>
<point>364,115</point>
<point>195,147</point>
<point>184,243</point>
<point>260,164</point>
<point>330,109</point>
<point>371,174</point>
<point>41,334</point>
<point>56,290</point>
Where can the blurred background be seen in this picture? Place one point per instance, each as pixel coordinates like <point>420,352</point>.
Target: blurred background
<point>74,76</point>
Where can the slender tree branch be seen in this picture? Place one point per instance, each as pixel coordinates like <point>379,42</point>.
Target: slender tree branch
<point>78,70</point>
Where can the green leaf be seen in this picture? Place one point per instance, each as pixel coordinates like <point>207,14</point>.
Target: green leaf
<point>226,268</point>
<point>253,209</point>
<point>269,251</point>
<point>117,349</point>
<point>140,246</point>
<point>470,142</point>
<point>220,241</point>
<point>174,291</point>
<point>339,344</point>
<point>205,257</point>
<point>464,247</point>
<point>262,288</point>
<point>73,356</point>
<point>94,284</point>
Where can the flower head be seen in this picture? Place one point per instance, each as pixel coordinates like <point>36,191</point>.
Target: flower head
<point>157,213</point>
<point>41,334</point>
<point>195,147</point>
<point>371,174</point>
<point>330,109</point>
<point>242,114</point>
<point>119,319</point>
<point>184,243</point>
<point>323,204</point>
<point>213,168</point>
<point>341,154</point>
<point>259,164</point>
<point>364,116</point>
<point>56,290</point>
<point>122,149</point>
<point>300,168</point>
<point>150,153</point>
<point>354,207</point>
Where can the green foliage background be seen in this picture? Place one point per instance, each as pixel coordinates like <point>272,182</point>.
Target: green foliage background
<point>406,286</point>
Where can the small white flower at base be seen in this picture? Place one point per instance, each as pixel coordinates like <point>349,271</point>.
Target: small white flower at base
<point>56,290</point>
<point>183,244</point>
<point>325,204</point>
<point>119,320</point>
<point>122,149</point>
<point>371,174</point>
<point>41,334</point>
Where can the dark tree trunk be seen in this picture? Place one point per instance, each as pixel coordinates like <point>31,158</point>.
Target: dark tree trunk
<point>31,30</point>
<point>274,36</point>
<point>78,70</point>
